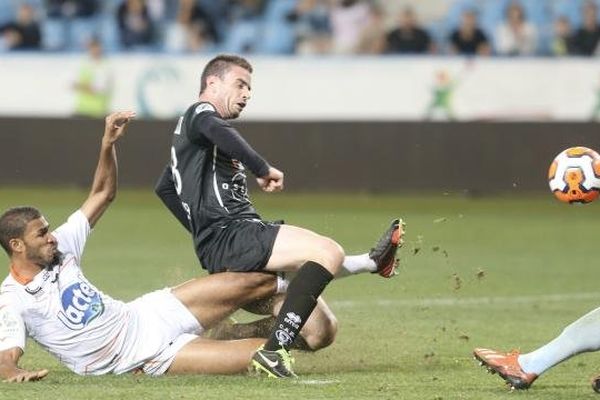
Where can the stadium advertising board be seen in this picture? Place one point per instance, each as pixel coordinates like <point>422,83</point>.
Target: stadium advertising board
<point>325,88</point>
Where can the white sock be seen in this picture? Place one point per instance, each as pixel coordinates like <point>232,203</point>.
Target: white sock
<point>581,336</point>
<point>356,265</point>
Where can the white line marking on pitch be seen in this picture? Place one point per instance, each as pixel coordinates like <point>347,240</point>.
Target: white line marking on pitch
<point>468,301</point>
<point>316,382</point>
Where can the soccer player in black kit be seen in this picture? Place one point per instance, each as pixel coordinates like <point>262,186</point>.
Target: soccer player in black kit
<point>205,188</point>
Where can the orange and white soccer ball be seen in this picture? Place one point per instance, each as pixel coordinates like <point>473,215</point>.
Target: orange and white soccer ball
<point>574,175</point>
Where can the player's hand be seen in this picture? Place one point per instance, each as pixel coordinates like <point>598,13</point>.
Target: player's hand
<point>272,182</point>
<point>27,376</point>
<point>115,124</point>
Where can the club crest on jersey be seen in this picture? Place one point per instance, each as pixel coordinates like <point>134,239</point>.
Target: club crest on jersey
<point>80,305</point>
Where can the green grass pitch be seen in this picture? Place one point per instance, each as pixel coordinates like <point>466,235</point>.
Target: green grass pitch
<point>497,272</point>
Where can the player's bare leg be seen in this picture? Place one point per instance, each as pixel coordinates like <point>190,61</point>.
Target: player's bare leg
<point>294,246</point>
<point>212,299</point>
<point>206,356</point>
<point>215,297</point>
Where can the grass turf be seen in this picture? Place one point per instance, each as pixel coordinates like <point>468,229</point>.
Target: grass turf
<point>494,272</point>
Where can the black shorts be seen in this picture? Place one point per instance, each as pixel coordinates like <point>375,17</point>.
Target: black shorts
<point>242,246</point>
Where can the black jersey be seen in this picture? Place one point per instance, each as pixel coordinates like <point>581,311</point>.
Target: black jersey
<point>208,166</point>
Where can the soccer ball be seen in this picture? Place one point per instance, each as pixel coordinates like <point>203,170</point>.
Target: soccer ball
<point>574,175</point>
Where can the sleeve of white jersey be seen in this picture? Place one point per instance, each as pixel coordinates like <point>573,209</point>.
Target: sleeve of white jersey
<point>73,234</point>
<point>12,327</point>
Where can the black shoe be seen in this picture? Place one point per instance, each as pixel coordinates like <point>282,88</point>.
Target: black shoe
<point>276,364</point>
<point>384,252</point>
<point>596,384</point>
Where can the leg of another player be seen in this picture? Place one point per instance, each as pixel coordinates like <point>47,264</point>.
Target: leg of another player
<point>206,356</point>
<point>319,331</point>
<point>294,246</point>
<point>317,259</point>
<point>581,336</point>
<point>211,299</point>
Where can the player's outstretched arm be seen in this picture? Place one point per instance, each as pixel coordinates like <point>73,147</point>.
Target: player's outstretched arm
<point>272,182</point>
<point>10,372</point>
<point>104,187</point>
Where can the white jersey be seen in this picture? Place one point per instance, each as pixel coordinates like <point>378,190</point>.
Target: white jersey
<point>62,311</point>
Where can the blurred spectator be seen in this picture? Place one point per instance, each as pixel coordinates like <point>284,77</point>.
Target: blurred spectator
<point>562,41</point>
<point>585,40</point>
<point>468,38</point>
<point>313,28</point>
<point>157,9</point>
<point>245,9</point>
<point>244,29</point>
<point>348,19</point>
<point>69,24</point>
<point>516,36</point>
<point>372,37</point>
<point>67,9</point>
<point>135,26</point>
<point>192,30</point>
<point>409,37</point>
<point>94,84</point>
<point>23,33</point>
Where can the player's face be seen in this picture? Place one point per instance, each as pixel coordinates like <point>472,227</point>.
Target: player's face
<point>234,91</point>
<point>41,247</point>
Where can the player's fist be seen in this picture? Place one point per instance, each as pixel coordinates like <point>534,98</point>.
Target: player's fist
<point>272,182</point>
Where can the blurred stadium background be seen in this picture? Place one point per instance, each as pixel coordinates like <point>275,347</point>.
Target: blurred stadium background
<point>372,109</point>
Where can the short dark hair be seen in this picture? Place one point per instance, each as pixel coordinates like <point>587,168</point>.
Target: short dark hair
<point>219,66</point>
<point>13,223</point>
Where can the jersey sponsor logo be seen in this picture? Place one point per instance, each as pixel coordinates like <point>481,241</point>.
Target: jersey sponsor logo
<point>239,187</point>
<point>81,304</point>
<point>204,107</point>
<point>237,165</point>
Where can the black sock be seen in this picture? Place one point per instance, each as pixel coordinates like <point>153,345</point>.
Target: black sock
<point>301,299</point>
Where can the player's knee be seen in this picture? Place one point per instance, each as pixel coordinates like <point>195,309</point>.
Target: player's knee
<point>324,336</point>
<point>333,255</point>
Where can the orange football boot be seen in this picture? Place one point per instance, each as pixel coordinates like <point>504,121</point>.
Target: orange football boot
<point>506,365</point>
<point>384,252</point>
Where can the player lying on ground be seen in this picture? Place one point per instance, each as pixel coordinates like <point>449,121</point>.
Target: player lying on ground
<point>205,187</point>
<point>47,297</point>
<point>521,370</point>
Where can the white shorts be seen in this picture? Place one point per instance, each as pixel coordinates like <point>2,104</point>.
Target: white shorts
<point>160,326</point>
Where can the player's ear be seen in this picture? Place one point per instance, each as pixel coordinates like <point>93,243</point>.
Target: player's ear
<point>16,245</point>
<point>211,81</point>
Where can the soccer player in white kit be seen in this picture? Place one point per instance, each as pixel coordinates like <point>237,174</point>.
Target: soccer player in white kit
<point>47,297</point>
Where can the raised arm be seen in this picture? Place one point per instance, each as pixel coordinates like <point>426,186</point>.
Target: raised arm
<point>10,371</point>
<point>104,187</point>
